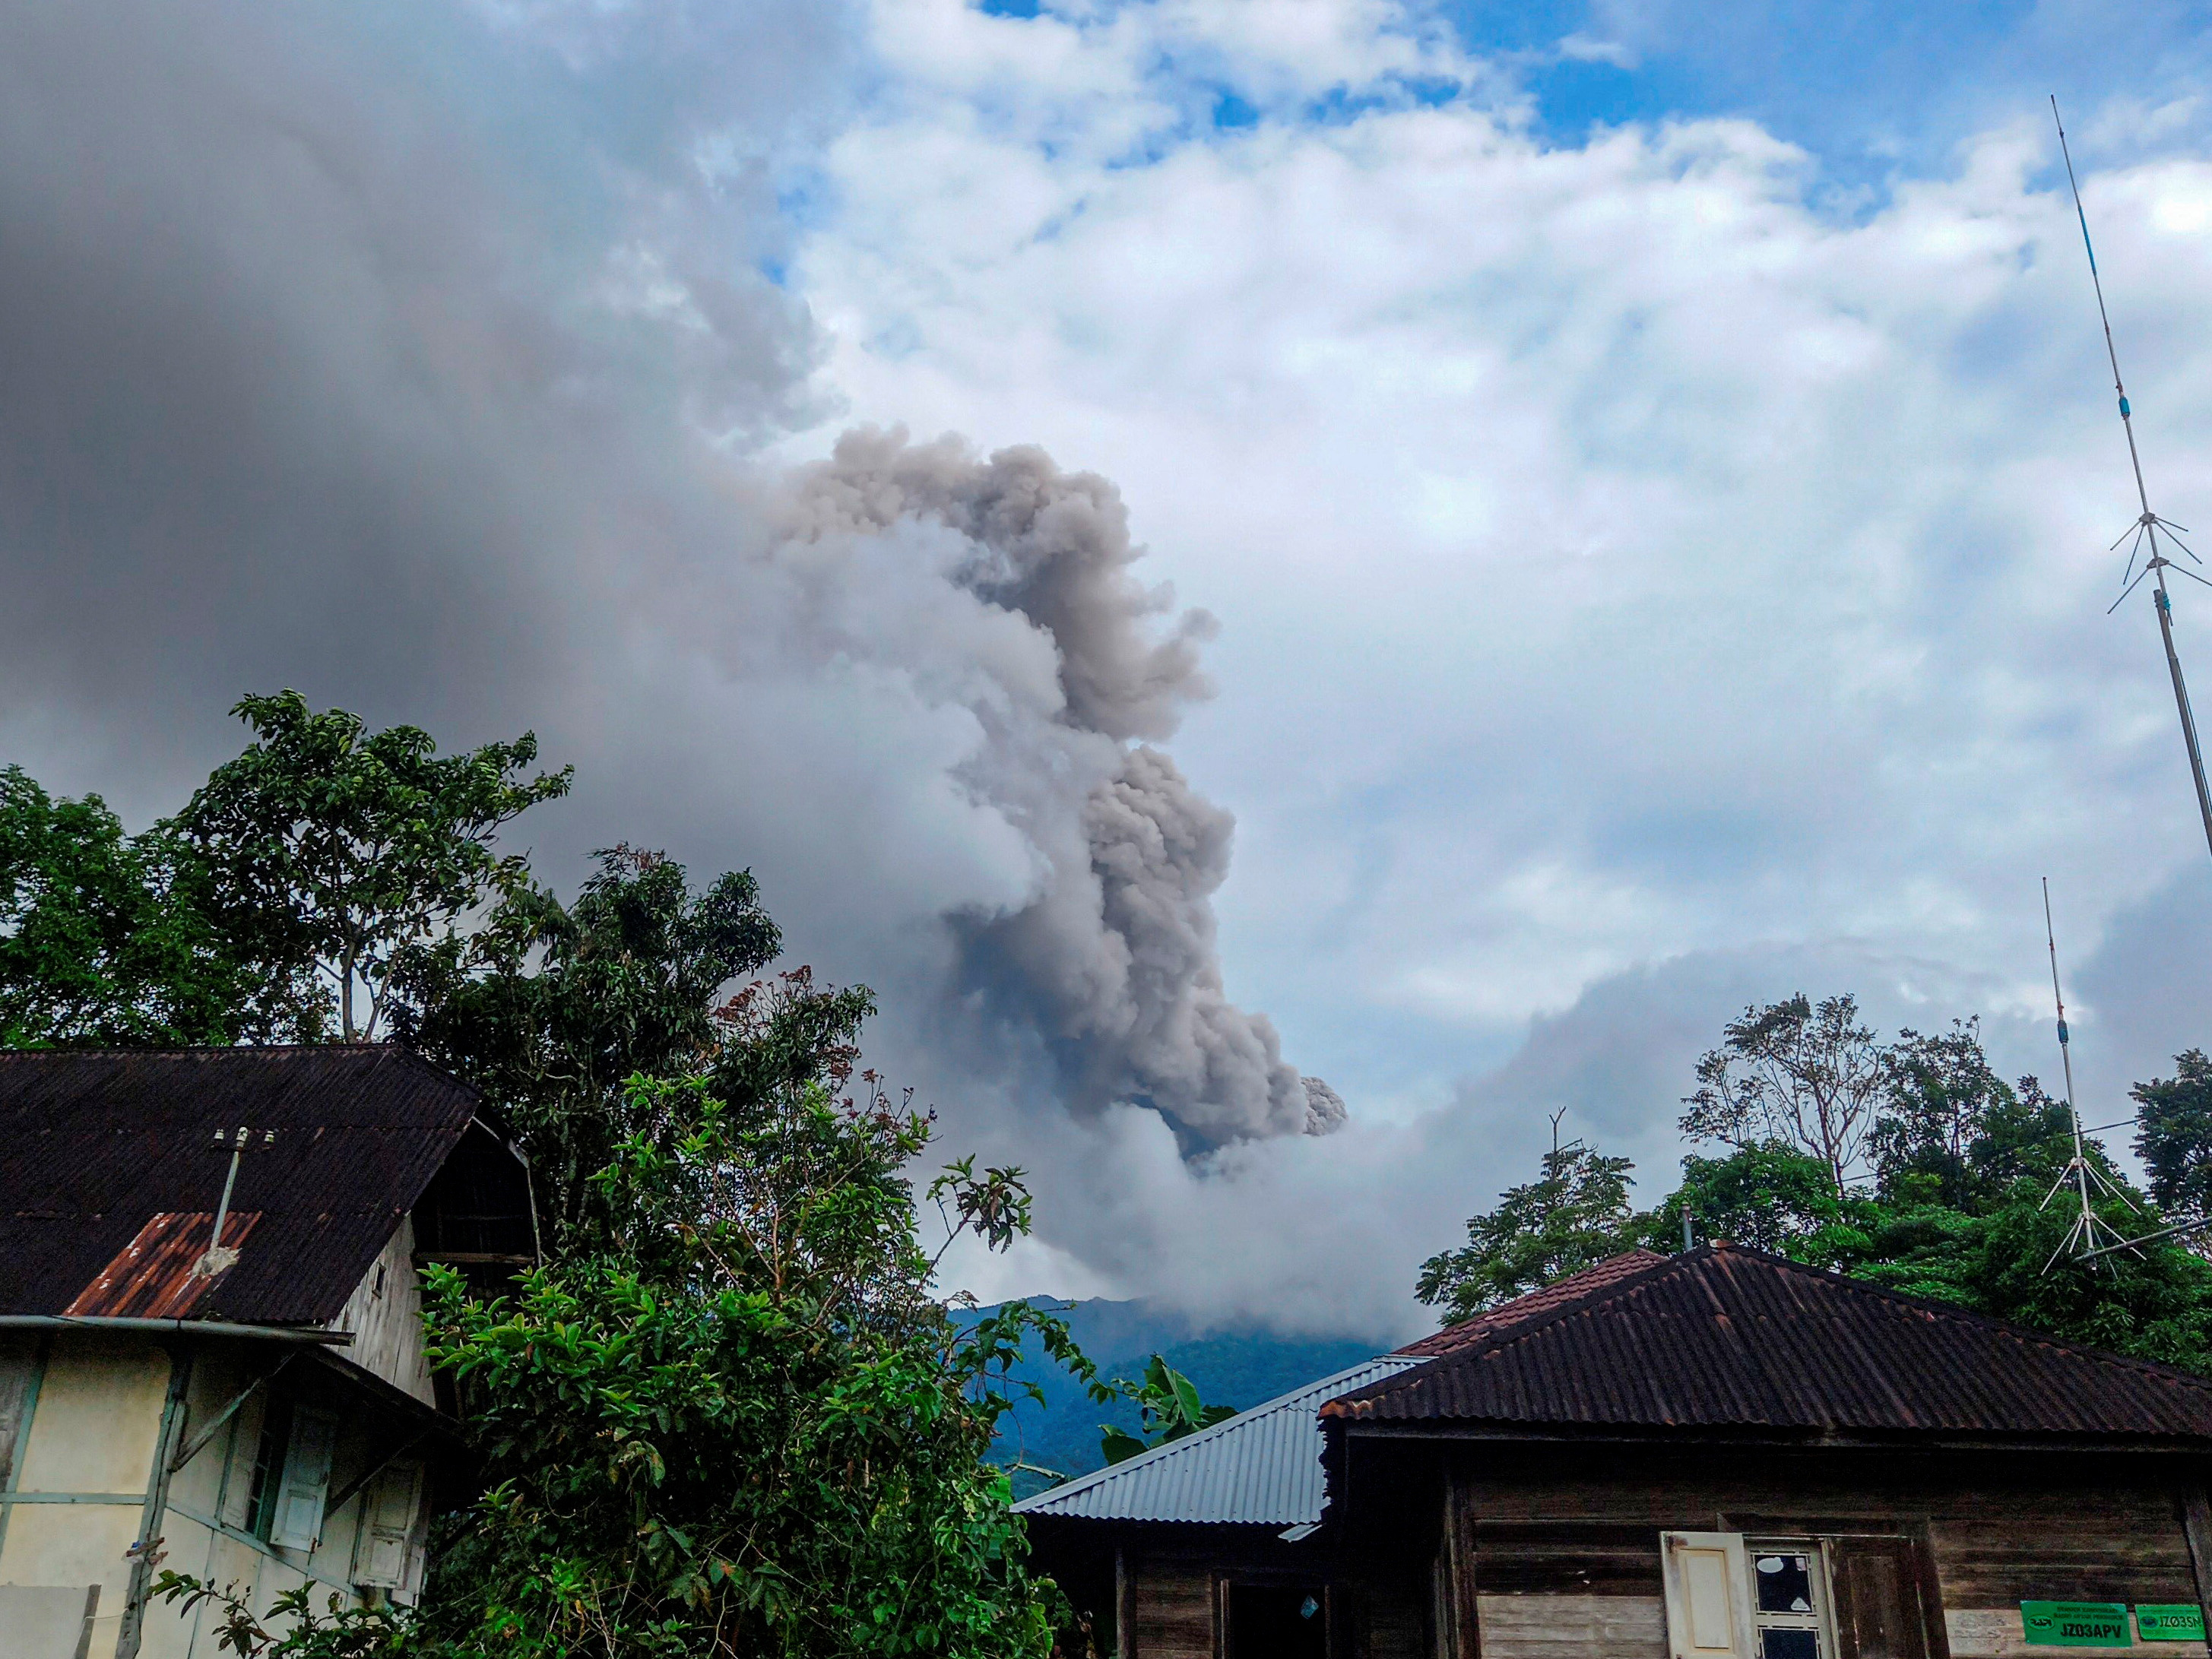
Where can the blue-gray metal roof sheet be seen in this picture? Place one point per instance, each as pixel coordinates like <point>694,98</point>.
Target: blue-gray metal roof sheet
<point>1261,1467</point>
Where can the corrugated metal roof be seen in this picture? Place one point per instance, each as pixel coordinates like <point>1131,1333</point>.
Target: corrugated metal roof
<point>1261,1467</point>
<point>1521,1308</point>
<point>1724,1338</point>
<point>156,1275</point>
<point>94,1146</point>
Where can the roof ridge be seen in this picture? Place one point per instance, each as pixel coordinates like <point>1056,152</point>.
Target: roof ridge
<point>1492,1341</point>
<point>1969,1315</point>
<point>1652,1258</point>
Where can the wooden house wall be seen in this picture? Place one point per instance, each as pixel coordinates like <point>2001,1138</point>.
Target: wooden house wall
<point>1175,1589</point>
<point>1569,1569</point>
<point>1561,1552</point>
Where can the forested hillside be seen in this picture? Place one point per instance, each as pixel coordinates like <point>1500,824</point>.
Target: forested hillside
<point>1238,1365</point>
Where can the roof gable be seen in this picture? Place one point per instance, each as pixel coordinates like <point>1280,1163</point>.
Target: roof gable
<point>98,1147</point>
<point>1730,1339</point>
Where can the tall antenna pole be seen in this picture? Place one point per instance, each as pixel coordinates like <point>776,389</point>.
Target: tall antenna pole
<point>2082,1236</point>
<point>2149,524</point>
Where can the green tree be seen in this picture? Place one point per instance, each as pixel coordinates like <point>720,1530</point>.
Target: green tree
<point>738,1422</point>
<point>2173,1137</point>
<point>328,848</point>
<point>1807,1075</point>
<point>1169,1408</point>
<point>551,1009</point>
<point>1940,1093</point>
<point>1962,1209</point>
<point>104,941</point>
<point>1576,1212</point>
<point>1769,1196</point>
<point>291,1627</point>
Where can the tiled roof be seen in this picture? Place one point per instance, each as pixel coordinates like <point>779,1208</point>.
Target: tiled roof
<point>1729,1339</point>
<point>108,1160</point>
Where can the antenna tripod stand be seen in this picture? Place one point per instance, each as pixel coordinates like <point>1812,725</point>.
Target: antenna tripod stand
<point>2082,1238</point>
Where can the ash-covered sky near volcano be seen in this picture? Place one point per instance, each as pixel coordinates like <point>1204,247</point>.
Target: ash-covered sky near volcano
<point>1196,546</point>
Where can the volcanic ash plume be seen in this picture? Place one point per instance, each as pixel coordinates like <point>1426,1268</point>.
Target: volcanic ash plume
<point>1112,961</point>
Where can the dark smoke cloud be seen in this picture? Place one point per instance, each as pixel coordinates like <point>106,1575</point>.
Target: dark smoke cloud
<point>1115,956</point>
<point>353,351</point>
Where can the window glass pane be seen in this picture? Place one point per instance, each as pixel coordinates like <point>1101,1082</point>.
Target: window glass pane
<point>1785,1582</point>
<point>1779,1643</point>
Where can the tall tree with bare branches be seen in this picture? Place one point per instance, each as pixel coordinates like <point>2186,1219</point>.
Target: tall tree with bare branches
<point>1808,1075</point>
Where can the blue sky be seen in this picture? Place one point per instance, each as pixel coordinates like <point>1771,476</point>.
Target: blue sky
<point>1868,88</point>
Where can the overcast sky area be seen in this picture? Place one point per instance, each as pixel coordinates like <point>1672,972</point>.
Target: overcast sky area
<point>1197,547</point>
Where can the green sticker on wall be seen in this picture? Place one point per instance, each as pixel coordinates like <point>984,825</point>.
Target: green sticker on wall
<point>2076,1624</point>
<point>2173,1621</point>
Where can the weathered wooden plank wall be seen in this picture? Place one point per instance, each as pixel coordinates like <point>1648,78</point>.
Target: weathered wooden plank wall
<point>1567,1566</point>
<point>1569,1569</point>
<point>1171,1611</point>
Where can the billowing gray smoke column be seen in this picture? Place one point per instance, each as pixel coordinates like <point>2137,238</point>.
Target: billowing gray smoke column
<point>1113,957</point>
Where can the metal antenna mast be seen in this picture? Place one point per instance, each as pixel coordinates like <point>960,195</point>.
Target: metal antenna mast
<point>2082,1237</point>
<point>2149,526</point>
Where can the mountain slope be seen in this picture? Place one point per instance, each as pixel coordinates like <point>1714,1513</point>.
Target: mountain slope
<point>1232,1365</point>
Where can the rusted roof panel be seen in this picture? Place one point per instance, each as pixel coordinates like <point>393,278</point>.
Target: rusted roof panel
<point>157,1275</point>
<point>94,1146</point>
<point>1730,1339</point>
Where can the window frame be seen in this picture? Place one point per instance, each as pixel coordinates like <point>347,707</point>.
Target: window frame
<point>1820,1618</point>
<point>1323,1590</point>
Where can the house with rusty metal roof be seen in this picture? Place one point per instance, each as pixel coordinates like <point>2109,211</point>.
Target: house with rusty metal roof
<point>211,1347</point>
<point>1720,1455</point>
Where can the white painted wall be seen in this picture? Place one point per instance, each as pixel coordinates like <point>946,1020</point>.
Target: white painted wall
<point>92,1432</point>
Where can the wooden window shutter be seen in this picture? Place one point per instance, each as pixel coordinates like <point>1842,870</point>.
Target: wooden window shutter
<point>1708,1581</point>
<point>306,1479</point>
<point>246,1426</point>
<point>1879,1613</point>
<point>383,1544</point>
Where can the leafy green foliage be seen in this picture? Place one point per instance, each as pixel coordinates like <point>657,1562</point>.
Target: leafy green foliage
<point>1807,1076</point>
<point>100,945</point>
<point>1576,1212</point>
<point>733,1419</point>
<point>2174,1136</point>
<point>290,1626</point>
<point>1169,1408</point>
<point>330,848</point>
<point>1941,1094</point>
<point>1960,1207</point>
<point>550,1009</point>
<point>1769,1195</point>
<point>725,1416</point>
